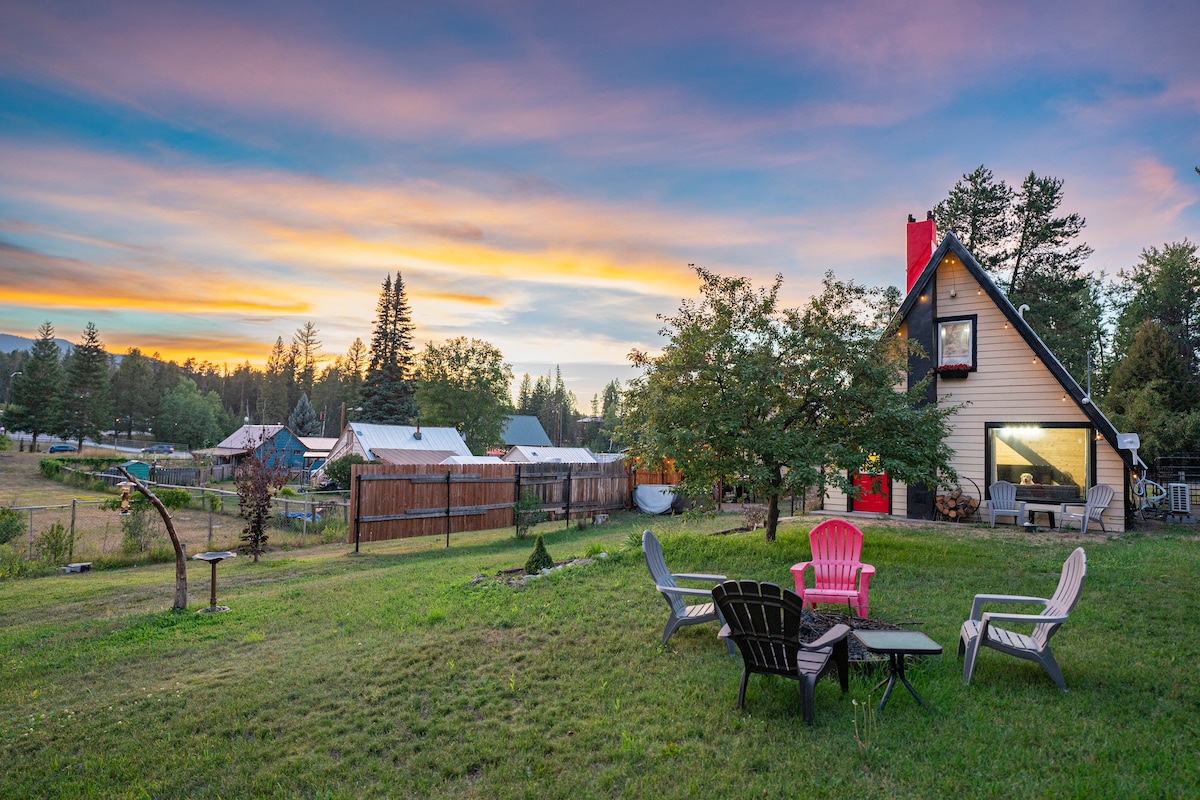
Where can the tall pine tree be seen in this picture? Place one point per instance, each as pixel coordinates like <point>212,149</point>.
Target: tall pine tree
<point>84,398</point>
<point>389,391</point>
<point>36,389</point>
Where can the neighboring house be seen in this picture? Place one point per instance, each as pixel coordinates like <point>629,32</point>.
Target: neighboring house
<point>396,444</point>
<point>1025,417</point>
<point>522,454</point>
<point>316,450</point>
<point>274,442</point>
<point>525,430</point>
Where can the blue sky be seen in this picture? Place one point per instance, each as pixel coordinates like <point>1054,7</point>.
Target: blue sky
<point>200,178</point>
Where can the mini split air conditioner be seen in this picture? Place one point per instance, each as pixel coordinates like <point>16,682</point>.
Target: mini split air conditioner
<point>1181,498</point>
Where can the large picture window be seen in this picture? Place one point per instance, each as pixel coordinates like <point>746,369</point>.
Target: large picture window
<point>1048,463</point>
<point>956,342</point>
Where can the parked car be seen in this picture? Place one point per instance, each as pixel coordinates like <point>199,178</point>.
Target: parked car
<point>62,448</point>
<point>158,448</point>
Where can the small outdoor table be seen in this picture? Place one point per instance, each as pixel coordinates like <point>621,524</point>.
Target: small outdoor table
<point>1049,509</point>
<point>214,559</point>
<point>896,645</point>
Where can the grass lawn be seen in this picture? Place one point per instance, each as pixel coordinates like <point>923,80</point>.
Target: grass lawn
<point>387,674</point>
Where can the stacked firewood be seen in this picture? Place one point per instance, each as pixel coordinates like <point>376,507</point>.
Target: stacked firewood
<point>956,505</point>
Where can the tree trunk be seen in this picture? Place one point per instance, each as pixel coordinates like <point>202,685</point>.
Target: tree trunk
<point>772,515</point>
<point>180,561</point>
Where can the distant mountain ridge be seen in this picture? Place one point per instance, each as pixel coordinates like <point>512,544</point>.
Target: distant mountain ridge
<point>8,343</point>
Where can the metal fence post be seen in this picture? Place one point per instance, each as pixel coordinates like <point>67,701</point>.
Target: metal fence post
<point>31,533</point>
<point>357,510</point>
<point>71,548</point>
<point>568,498</point>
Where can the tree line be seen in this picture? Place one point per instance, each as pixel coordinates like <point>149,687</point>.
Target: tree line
<point>1133,339</point>
<point>462,383</point>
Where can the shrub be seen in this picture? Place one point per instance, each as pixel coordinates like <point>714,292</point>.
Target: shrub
<point>339,471</point>
<point>539,559</point>
<point>5,442</point>
<point>13,563</point>
<point>12,525</point>
<point>287,491</point>
<point>528,512</point>
<point>55,545</point>
<point>50,467</point>
<point>140,532</point>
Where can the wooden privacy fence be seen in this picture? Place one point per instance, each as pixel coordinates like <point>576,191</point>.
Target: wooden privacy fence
<point>397,501</point>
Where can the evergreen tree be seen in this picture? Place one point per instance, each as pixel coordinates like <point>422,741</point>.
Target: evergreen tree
<point>1034,257</point>
<point>977,211</point>
<point>307,347</point>
<point>351,372</point>
<point>132,389</point>
<point>83,398</point>
<point>389,391</point>
<point>525,397</point>
<point>276,380</point>
<point>1165,287</point>
<point>36,390</point>
<point>303,420</point>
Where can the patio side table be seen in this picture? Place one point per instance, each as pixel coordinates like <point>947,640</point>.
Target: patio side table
<point>896,645</point>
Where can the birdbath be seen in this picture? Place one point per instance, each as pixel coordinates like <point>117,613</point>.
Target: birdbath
<point>214,559</point>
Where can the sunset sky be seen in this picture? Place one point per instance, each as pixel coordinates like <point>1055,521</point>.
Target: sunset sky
<point>200,178</point>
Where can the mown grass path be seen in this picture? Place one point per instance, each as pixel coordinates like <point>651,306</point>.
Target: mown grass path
<point>387,674</point>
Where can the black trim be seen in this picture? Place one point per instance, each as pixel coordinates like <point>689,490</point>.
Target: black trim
<point>974,320</point>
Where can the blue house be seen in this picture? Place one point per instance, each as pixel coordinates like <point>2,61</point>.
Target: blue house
<point>274,443</point>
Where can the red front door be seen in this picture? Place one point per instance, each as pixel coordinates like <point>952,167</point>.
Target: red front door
<point>874,493</point>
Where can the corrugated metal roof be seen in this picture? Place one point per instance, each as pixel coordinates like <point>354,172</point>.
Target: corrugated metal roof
<point>549,455</point>
<point>411,456</point>
<point>525,430</point>
<point>472,460</point>
<point>324,443</point>
<point>248,437</point>
<point>405,437</point>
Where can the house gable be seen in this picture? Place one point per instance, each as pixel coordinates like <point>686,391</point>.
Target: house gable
<point>952,269</point>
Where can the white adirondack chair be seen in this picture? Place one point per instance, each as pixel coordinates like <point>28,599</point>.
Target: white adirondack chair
<point>980,630</point>
<point>1003,503</point>
<point>1098,498</point>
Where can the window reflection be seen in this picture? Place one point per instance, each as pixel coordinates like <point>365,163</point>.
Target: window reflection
<point>1047,464</point>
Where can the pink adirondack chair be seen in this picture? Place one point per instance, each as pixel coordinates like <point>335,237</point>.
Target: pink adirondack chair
<point>838,574</point>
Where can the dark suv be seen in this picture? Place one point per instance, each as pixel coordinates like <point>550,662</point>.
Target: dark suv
<point>156,449</point>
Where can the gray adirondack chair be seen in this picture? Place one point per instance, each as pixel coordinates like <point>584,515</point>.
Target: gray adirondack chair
<point>1003,503</point>
<point>682,614</point>
<point>1098,498</point>
<point>764,622</point>
<point>980,630</point>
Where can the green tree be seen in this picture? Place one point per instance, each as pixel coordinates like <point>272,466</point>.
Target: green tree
<point>338,470</point>
<point>277,381</point>
<point>1035,257</point>
<point>83,397</point>
<point>132,388</point>
<point>389,390</point>
<point>308,353</point>
<point>978,211</point>
<point>36,390</point>
<point>775,396</point>
<point>465,384</point>
<point>303,420</point>
<point>189,417</point>
<point>1165,287</point>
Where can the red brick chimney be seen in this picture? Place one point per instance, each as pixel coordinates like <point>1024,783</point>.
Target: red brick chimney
<point>922,240</point>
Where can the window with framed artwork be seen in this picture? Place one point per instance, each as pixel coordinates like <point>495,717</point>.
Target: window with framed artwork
<point>956,344</point>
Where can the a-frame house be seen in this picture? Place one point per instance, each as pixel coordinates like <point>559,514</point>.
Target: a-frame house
<point>1025,419</point>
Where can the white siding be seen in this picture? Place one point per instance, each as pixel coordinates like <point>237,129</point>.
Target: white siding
<point>1010,385</point>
